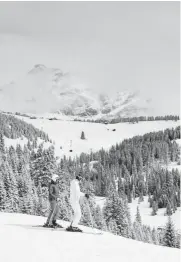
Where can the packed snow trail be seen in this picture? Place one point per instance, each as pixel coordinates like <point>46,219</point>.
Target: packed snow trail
<point>20,241</point>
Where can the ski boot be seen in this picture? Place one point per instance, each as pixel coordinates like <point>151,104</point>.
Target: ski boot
<point>45,225</point>
<point>56,225</point>
<point>73,229</point>
<point>76,229</point>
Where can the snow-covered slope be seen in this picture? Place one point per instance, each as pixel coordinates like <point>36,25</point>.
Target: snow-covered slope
<point>20,241</point>
<point>46,90</point>
<point>97,135</point>
<point>159,220</point>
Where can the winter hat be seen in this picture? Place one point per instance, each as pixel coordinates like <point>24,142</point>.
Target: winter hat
<point>54,177</point>
<point>79,176</point>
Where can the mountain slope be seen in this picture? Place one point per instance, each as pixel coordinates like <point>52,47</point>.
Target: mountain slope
<point>47,90</point>
<point>97,135</point>
<point>20,241</point>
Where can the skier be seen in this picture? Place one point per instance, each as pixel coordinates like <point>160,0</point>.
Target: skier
<point>53,199</point>
<point>75,195</point>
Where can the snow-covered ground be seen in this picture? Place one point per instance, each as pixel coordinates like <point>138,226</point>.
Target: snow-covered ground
<point>21,241</point>
<point>14,142</point>
<point>145,211</point>
<point>154,221</point>
<point>173,165</point>
<point>66,134</point>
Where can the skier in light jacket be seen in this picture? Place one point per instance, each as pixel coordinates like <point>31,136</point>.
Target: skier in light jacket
<point>75,195</point>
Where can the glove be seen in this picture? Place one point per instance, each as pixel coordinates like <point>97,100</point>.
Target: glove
<point>87,195</point>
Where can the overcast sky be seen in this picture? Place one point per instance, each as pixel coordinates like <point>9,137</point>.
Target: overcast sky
<point>107,45</point>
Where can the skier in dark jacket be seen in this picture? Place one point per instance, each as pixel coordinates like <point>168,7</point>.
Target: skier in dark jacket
<point>53,199</point>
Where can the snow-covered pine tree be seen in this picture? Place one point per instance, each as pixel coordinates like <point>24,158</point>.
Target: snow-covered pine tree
<point>99,219</point>
<point>116,210</point>
<point>168,209</point>
<point>154,208</point>
<point>28,192</point>
<point>37,164</point>
<point>147,236</point>
<point>49,166</point>
<point>2,195</point>
<point>155,237</point>
<point>169,239</point>
<point>138,216</point>
<point>65,212</point>
<point>138,231</point>
<point>87,218</point>
<point>178,240</point>
<point>10,183</point>
<point>2,145</point>
<point>112,227</point>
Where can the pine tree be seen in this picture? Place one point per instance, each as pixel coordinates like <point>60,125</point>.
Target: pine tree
<point>169,236</point>
<point>82,136</point>
<point>2,195</point>
<point>65,212</point>
<point>138,231</point>
<point>178,240</point>
<point>99,219</point>
<point>168,209</point>
<point>2,144</point>
<point>155,237</point>
<point>138,216</point>
<point>112,227</point>
<point>11,187</point>
<point>87,218</point>
<point>116,210</point>
<point>154,208</point>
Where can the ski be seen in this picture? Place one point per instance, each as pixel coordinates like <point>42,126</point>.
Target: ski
<point>65,229</point>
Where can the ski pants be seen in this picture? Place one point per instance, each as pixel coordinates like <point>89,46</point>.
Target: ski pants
<point>54,211</point>
<point>77,214</point>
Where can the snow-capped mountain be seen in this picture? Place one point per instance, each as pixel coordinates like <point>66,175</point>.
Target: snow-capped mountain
<point>50,90</point>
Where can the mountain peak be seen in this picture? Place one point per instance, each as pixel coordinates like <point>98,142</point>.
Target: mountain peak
<point>37,68</point>
<point>49,90</point>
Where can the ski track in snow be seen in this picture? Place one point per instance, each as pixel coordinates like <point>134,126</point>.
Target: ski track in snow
<point>20,241</point>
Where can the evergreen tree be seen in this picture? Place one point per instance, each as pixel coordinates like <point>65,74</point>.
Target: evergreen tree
<point>169,236</point>
<point>87,218</point>
<point>138,231</point>
<point>2,145</point>
<point>115,210</point>
<point>178,240</point>
<point>112,227</point>
<point>155,237</point>
<point>138,216</point>
<point>99,219</point>
<point>168,209</point>
<point>2,195</point>
<point>154,208</point>
<point>82,136</point>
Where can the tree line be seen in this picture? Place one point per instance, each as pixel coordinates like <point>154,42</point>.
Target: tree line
<point>126,171</point>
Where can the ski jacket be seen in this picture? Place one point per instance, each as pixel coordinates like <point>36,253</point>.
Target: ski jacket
<point>75,193</point>
<point>53,191</point>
